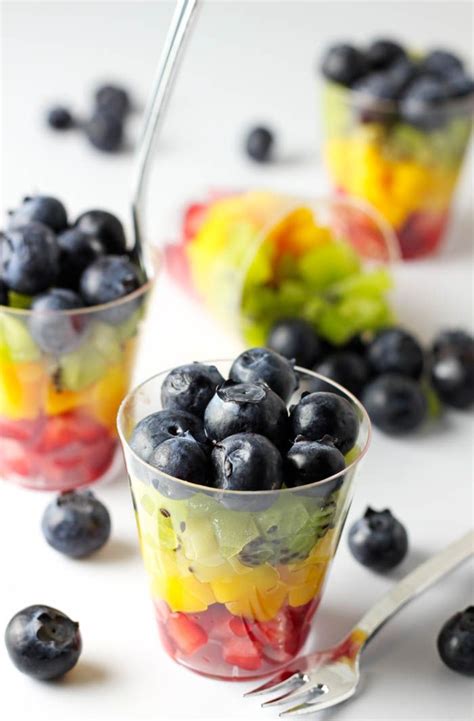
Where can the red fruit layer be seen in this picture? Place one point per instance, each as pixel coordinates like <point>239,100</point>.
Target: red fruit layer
<point>421,234</point>
<point>56,453</point>
<point>217,643</point>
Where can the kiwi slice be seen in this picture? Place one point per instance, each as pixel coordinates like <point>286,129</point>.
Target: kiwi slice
<point>16,343</point>
<point>288,531</point>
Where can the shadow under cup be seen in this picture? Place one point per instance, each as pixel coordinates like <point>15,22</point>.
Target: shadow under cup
<point>235,577</point>
<point>63,375</point>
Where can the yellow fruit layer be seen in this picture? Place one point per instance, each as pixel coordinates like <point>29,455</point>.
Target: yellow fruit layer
<point>191,585</point>
<point>397,188</point>
<point>27,391</point>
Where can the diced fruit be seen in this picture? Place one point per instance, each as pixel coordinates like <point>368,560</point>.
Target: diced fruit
<point>21,390</point>
<point>185,594</point>
<point>242,652</point>
<point>186,633</point>
<point>16,343</point>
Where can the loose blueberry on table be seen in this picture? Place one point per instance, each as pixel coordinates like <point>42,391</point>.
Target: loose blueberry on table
<point>76,523</point>
<point>456,642</point>
<point>236,559</point>
<point>105,126</point>
<point>378,540</point>
<point>43,642</point>
<point>64,367</point>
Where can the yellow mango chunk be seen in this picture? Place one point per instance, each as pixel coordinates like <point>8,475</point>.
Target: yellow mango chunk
<point>21,389</point>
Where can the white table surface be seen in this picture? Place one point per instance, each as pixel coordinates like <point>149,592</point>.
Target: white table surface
<point>247,62</point>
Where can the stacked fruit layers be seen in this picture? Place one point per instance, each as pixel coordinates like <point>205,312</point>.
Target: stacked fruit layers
<point>57,413</point>
<point>407,173</point>
<point>256,257</point>
<point>235,588</point>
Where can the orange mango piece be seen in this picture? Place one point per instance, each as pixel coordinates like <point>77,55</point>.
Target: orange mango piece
<point>21,389</point>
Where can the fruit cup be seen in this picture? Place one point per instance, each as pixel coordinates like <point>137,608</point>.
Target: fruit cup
<point>63,375</point>
<point>235,577</point>
<point>256,257</point>
<point>407,170</point>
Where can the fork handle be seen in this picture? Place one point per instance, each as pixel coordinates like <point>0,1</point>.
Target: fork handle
<point>415,583</point>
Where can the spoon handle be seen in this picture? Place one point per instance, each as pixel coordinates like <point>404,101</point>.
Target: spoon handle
<point>415,583</point>
<point>155,109</point>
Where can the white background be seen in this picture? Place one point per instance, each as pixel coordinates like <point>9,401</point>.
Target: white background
<point>247,62</point>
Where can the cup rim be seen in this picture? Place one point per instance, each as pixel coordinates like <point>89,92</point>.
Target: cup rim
<point>85,310</point>
<point>359,98</point>
<point>218,491</point>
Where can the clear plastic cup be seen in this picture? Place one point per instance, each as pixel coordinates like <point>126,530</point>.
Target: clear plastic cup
<point>408,172</point>
<point>58,406</point>
<point>235,577</point>
<point>256,257</point>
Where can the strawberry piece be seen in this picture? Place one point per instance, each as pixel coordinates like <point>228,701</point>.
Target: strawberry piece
<point>186,633</point>
<point>238,626</point>
<point>421,234</point>
<point>177,265</point>
<point>16,459</point>
<point>85,429</point>
<point>242,652</point>
<point>194,217</point>
<point>21,430</point>
<point>280,633</point>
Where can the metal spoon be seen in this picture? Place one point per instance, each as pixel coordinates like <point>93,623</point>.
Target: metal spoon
<point>168,65</point>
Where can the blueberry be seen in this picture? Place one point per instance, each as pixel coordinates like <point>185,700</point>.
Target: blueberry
<point>247,462</point>
<point>3,289</point>
<point>396,404</point>
<point>348,369</point>
<point>107,279</point>
<point>29,258</point>
<point>247,408</point>
<point>112,99</point>
<point>105,227</point>
<point>57,333</point>
<point>76,523</point>
<point>161,426</point>
<point>190,387</point>
<point>402,73</point>
<point>378,540</point>
<point>105,131</point>
<point>296,339</point>
<point>43,642</point>
<point>383,52</point>
<point>395,351</point>
<point>422,104</point>
<point>452,368</point>
<point>326,414</point>
<point>182,457</point>
<point>259,144</point>
<point>441,62</point>
<point>452,341</point>
<point>344,64</point>
<point>459,85</point>
<point>262,364</point>
<point>60,118</point>
<point>456,642</point>
<point>40,209</point>
<point>311,461</point>
<point>377,86</point>
<point>77,250</point>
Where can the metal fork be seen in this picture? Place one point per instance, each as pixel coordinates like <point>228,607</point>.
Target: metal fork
<point>327,678</point>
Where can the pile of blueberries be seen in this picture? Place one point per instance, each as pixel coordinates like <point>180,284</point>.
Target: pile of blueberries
<point>46,263</point>
<point>105,128</point>
<point>237,434</point>
<point>385,72</point>
<point>389,371</point>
